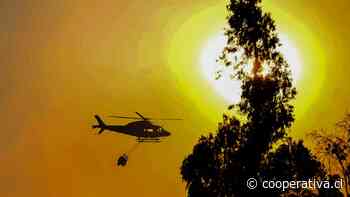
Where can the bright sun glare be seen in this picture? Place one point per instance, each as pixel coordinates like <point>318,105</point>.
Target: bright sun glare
<point>227,88</point>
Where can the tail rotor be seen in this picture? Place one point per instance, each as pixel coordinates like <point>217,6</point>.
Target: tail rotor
<point>101,125</point>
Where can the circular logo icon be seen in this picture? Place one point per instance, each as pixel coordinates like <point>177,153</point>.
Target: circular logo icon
<point>252,183</point>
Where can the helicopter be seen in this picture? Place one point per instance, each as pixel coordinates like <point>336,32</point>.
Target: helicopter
<point>143,128</point>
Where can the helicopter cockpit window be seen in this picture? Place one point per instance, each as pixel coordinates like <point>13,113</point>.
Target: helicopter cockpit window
<point>160,129</point>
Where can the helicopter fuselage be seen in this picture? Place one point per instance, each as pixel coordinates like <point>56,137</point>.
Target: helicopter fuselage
<point>144,129</point>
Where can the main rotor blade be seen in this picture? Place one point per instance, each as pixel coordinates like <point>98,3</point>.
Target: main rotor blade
<point>144,118</point>
<point>126,117</point>
<point>165,119</point>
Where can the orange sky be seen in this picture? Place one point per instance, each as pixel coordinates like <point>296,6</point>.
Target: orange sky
<point>63,61</point>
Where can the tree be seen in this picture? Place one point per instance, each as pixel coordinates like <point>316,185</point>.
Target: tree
<point>221,163</point>
<point>293,161</point>
<point>335,148</point>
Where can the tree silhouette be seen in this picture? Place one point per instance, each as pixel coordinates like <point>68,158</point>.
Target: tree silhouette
<point>336,148</point>
<point>241,148</point>
<point>293,161</point>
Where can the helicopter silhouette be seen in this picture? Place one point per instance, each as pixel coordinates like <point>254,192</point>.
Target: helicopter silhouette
<point>143,128</point>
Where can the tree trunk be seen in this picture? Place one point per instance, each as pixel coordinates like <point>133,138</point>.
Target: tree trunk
<point>344,175</point>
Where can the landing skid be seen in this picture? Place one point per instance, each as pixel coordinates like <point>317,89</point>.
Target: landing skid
<point>148,140</point>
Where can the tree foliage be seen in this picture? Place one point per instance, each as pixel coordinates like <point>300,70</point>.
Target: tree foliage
<point>335,148</point>
<point>220,163</point>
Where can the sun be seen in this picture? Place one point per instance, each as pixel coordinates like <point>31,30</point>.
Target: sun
<point>193,48</point>
<point>230,89</point>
